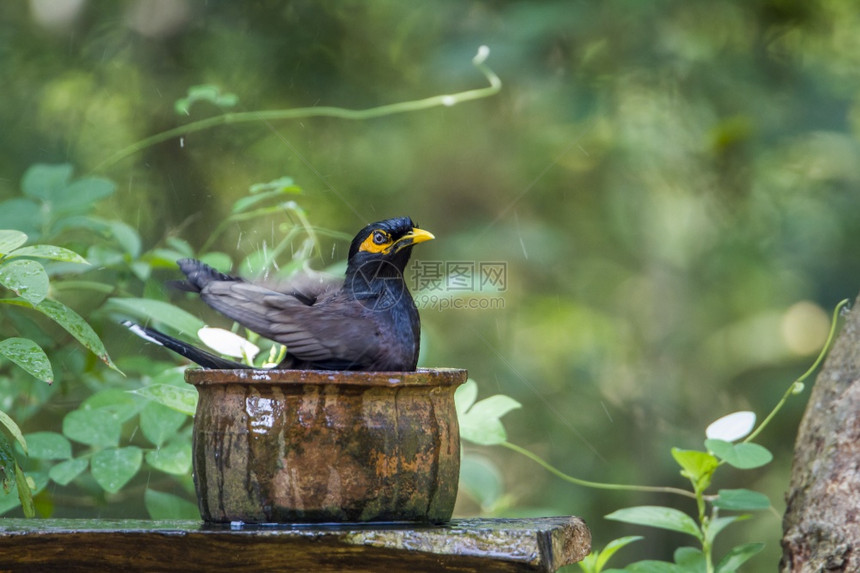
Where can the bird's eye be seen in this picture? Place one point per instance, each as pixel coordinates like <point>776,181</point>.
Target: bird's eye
<point>380,238</point>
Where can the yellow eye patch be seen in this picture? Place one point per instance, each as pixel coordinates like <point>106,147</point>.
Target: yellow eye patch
<point>377,241</point>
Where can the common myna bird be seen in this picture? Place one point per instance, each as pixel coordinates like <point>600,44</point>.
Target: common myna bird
<point>367,322</point>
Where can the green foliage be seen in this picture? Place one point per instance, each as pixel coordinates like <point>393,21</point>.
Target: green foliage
<point>699,467</point>
<point>661,517</point>
<point>480,421</point>
<point>158,311</point>
<point>209,93</point>
<point>112,468</point>
<point>22,271</point>
<point>95,449</point>
<point>662,201</point>
<point>744,456</point>
<point>162,505</point>
<point>595,561</point>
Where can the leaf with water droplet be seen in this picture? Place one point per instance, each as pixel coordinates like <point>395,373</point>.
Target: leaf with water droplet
<point>115,400</point>
<point>174,458</point>
<point>11,240</point>
<point>114,467</point>
<point>64,472</point>
<point>160,423</point>
<point>49,252</point>
<point>27,279</point>
<point>94,427</point>
<point>49,446</point>
<point>179,398</point>
<point>77,327</point>
<point>29,356</point>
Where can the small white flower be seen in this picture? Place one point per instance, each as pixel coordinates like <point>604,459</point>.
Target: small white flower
<point>731,427</point>
<point>227,343</point>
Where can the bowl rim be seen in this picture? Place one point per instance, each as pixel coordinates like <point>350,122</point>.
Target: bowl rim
<point>248,376</point>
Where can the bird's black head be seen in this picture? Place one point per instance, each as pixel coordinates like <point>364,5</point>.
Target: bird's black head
<point>383,247</point>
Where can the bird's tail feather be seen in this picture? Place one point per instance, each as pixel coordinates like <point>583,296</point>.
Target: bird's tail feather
<point>198,275</point>
<point>196,355</point>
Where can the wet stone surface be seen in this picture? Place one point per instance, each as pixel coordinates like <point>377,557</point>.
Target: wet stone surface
<point>539,544</point>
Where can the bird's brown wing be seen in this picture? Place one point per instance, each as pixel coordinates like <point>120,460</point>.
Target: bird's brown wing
<point>333,331</point>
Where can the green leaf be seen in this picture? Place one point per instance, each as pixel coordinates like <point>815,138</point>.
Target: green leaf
<point>174,458</point>
<point>465,396</point>
<point>29,356</point>
<point>94,427</point>
<point>23,215</point>
<point>114,467</point>
<point>178,398</point>
<point>127,238</point>
<point>657,516</point>
<point>64,472</point>
<point>737,556</point>
<point>697,466</point>
<point>741,499</point>
<point>481,424</point>
<point>181,246</point>
<point>173,377</point>
<point>690,560</point>
<point>743,456</point>
<point>612,547</point>
<point>79,196</point>
<point>653,567</point>
<point>160,423</point>
<point>118,402</point>
<point>13,430</point>
<point>720,523</point>
<point>25,494</point>
<point>216,260</point>
<point>481,480</point>
<point>50,252</point>
<point>49,446</point>
<point>204,92</point>
<point>156,310</point>
<point>46,182</point>
<point>162,505</point>
<point>26,278</point>
<point>11,240</point>
<point>264,192</point>
<point>104,256</point>
<point>77,327</point>
<point>281,185</point>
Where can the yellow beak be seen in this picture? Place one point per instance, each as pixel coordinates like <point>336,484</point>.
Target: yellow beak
<point>413,237</point>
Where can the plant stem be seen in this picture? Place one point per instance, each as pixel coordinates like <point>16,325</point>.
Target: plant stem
<point>792,388</point>
<point>594,484</point>
<point>704,525</point>
<point>446,100</point>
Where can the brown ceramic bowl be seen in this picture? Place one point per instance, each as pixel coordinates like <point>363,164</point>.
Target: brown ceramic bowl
<point>303,446</point>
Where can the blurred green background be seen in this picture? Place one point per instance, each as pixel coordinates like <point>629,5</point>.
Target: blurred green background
<point>673,186</point>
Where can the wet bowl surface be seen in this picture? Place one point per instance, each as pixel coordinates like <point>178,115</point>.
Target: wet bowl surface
<point>302,446</point>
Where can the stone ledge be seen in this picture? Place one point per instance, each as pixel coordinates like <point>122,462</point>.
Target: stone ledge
<point>464,545</point>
